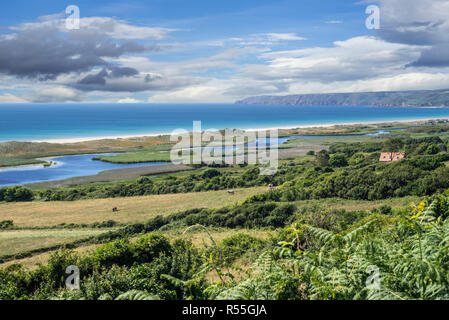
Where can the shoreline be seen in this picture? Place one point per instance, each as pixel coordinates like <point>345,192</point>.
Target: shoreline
<point>86,139</point>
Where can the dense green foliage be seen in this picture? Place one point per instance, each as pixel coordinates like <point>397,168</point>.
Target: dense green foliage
<point>354,172</point>
<point>380,257</point>
<point>399,254</point>
<point>210,179</point>
<point>16,194</point>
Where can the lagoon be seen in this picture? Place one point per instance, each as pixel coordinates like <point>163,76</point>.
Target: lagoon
<point>66,167</point>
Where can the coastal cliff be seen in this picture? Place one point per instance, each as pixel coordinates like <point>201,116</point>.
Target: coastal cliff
<point>427,98</point>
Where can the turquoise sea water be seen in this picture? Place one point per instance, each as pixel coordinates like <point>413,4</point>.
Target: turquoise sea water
<point>25,122</point>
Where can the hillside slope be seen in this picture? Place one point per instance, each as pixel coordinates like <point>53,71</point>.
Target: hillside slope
<point>384,99</point>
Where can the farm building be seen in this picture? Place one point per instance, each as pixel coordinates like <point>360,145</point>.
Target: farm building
<point>391,156</point>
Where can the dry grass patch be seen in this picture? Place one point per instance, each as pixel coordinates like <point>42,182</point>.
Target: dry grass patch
<point>42,258</point>
<point>131,209</point>
<point>200,238</point>
<point>336,203</point>
<point>16,241</point>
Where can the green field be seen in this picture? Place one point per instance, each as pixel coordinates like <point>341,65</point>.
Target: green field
<point>16,241</point>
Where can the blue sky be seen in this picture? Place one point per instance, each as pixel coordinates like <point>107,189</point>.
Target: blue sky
<point>217,51</point>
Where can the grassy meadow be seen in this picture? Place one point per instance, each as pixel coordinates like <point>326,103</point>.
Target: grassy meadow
<point>16,241</point>
<point>131,209</point>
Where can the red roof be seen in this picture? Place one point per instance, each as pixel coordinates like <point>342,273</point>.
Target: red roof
<point>391,156</point>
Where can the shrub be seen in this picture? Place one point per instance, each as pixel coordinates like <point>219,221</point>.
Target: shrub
<point>6,224</point>
<point>210,173</point>
<point>357,158</point>
<point>16,194</point>
<point>338,160</point>
<point>118,252</point>
<point>151,246</point>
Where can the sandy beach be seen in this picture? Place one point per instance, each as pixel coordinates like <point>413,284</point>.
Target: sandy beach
<point>83,139</point>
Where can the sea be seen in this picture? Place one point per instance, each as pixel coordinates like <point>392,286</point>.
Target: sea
<point>42,122</point>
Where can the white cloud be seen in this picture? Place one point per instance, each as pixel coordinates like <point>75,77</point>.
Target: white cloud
<point>129,100</point>
<point>352,59</point>
<point>211,92</point>
<point>9,98</point>
<point>283,37</point>
<point>400,82</point>
<point>55,94</point>
<point>266,39</point>
<point>112,27</point>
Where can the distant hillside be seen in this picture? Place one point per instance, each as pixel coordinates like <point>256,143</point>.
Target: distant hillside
<point>384,99</point>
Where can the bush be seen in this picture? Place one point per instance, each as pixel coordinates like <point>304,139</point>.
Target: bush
<point>16,194</point>
<point>235,246</point>
<point>338,160</point>
<point>6,224</point>
<point>210,173</point>
<point>118,252</point>
<point>151,246</point>
<point>356,159</point>
<point>385,209</point>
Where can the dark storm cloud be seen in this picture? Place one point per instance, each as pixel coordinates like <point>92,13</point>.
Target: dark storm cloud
<point>421,23</point>
<point>113,73</point>
<point>95,79</point>
<point>412,33</point>
<point>133,84</point>
<point>44,53</point>
<point>437,56</point>
<point>123,72</point>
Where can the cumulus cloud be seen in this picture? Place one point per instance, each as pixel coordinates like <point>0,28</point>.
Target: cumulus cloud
<point>10,98</point>
<point>418,22</point>
<point>143,82</point>
<point>353,59</point>
<point>112,73</point>
<point>45,49</point>
<point>55,94</point>
<point>129,100</point>
<point>112,27</point>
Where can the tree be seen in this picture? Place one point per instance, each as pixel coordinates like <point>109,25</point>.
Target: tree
<point>393,145</point>
<point>17,193</point>
<point>357,158</point>
<point>338,160</point>
<point>432,149</point>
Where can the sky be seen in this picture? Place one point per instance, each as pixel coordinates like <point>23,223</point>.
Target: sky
<point>174,51</point>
